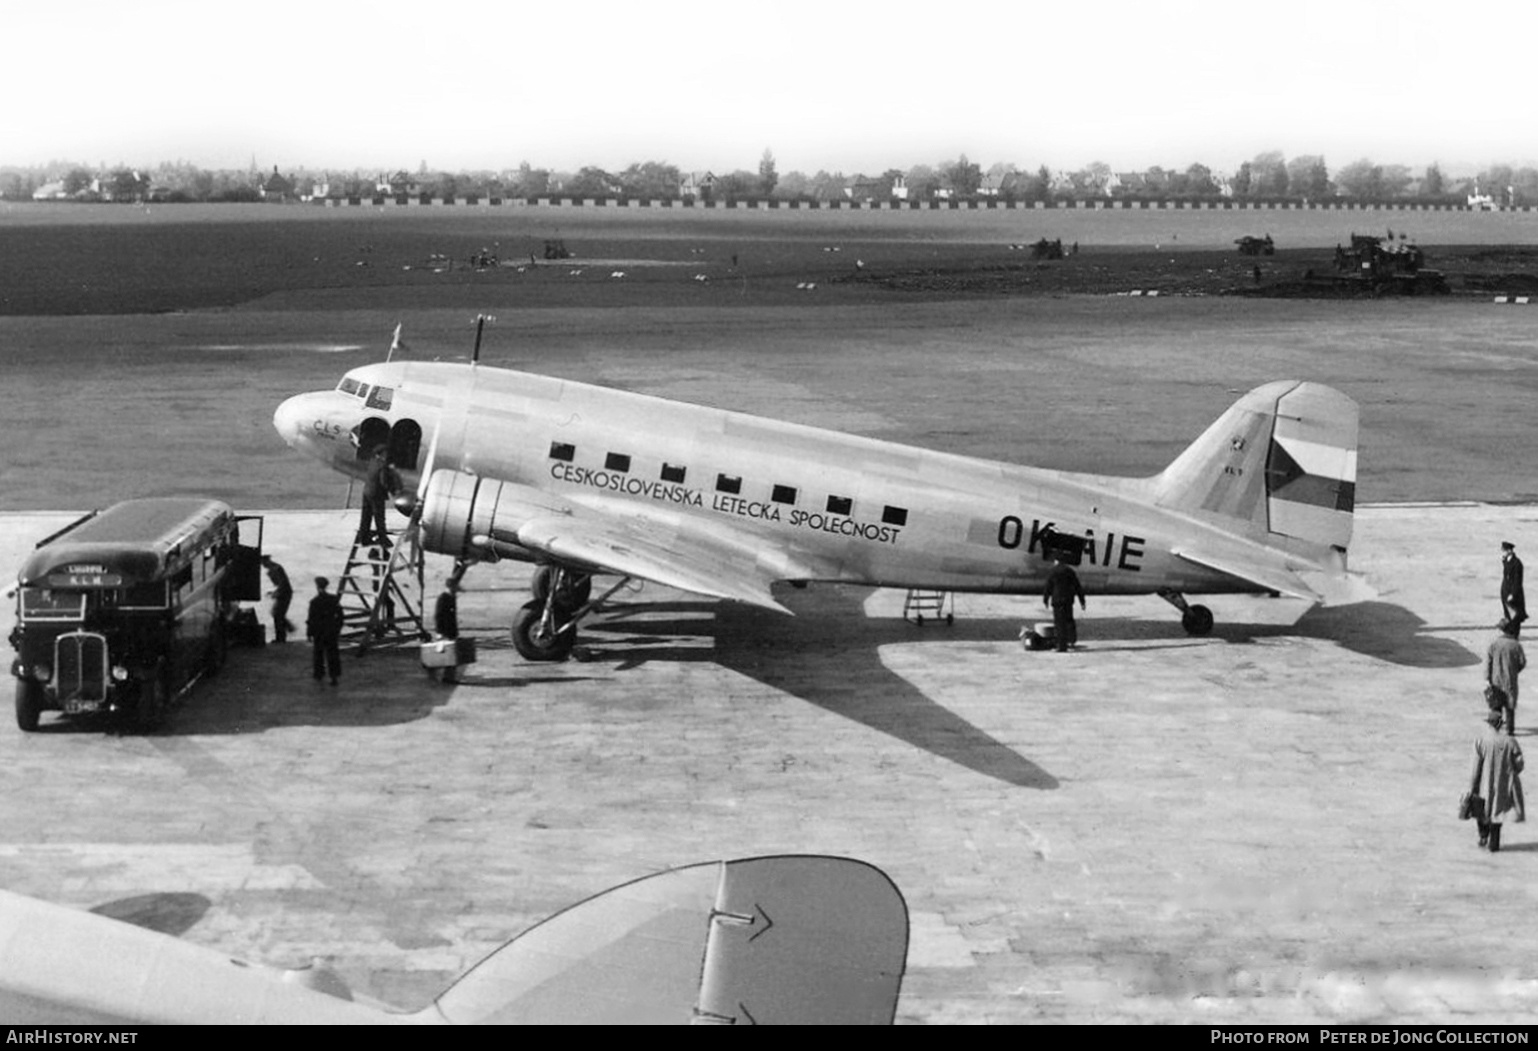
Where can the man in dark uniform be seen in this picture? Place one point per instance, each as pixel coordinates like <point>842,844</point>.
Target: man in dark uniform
<point>324,629</point>
<point>1062,588</point>
<point>1513,600</point>
<point>446,620</point>
<point>282,594</point>
<point>376,491</point>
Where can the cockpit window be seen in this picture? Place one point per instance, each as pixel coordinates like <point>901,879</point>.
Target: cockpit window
<point>380,397</point>
<point>348,385</point>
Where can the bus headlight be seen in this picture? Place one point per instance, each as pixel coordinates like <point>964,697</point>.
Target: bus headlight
<point>119,673</point>
<point>42,672</point>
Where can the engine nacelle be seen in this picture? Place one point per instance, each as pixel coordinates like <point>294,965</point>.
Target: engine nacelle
<point>469,517</point>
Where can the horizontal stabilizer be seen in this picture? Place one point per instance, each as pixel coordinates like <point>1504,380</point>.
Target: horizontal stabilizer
<point>1311,585</point>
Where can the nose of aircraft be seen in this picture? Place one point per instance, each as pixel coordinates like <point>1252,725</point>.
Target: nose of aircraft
<point>286,419</point>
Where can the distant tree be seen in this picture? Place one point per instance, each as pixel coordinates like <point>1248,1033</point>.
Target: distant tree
<point>1268,174</point>
<point>963,177</point>
<point>650,180</point>
<point>737,184</point>
<point>590,182</point>
<point>827,186</point>
<point>75,180</point>
<point>1433,183</point>
<point>1199,181</point>
<point>1041,184</point>
<point>793,185</point>
<point>767,176</point>
<point>1394,180</point>
<point>1244,180</point>
<point>1524,182</point>
<point>1496,180</point>
<point>1308,177</point>
<point>923,181</point>
<point>1362,179</point>
<point>531,181</point>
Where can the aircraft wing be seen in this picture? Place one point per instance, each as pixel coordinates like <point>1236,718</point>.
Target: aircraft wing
<point>1311,585</point>
<point>656,544</point>
<point>797,939</point>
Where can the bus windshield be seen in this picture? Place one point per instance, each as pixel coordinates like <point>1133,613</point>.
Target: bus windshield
<point>49,604</point>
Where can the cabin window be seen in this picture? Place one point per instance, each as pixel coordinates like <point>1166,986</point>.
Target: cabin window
<point>562,451</point>
<point>673,473</point>
<point>617,462</point>
<point>894,515</point>
<point>151,595</point>
<point>726,483</point>
<point>783,494</point>
<point>840,505</point>
<point>380,398</point>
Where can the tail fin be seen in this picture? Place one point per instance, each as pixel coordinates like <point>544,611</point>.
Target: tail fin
<point>1282,460</point>
<point>792,939</point>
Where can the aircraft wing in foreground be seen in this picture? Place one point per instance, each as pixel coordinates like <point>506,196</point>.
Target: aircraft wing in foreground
<point>768,940</point>
<point>588,481</point>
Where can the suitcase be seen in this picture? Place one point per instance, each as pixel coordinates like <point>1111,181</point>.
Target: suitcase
<point>448,653</point>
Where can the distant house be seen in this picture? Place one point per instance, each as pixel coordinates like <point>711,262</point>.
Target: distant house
<point>50,191</point>
<point>992,185</point>
<point>697,186</point>
<point>868,188</point>
<point>398,185</point>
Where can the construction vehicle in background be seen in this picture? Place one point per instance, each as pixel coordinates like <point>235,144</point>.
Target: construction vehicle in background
<point>1386,266</point>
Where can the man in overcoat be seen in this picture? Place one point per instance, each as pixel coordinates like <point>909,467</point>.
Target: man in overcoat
<point>1496,778</point>
<point>1061,589</point>
<point>1504,661</point>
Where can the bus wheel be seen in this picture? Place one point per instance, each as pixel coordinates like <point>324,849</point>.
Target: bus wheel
<point>29,704</point>
<point>536,645</point>
<point>154,699</point>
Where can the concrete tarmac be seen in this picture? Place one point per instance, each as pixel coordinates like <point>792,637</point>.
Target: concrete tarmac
<point>1256,826</point>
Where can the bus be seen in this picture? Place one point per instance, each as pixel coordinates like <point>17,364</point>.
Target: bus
<point>124,609</point>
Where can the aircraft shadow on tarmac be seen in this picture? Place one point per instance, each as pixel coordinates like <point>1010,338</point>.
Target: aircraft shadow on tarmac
<point>827,656</point>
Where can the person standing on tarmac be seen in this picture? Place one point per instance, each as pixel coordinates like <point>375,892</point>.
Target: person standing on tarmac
<point>324,629</point>
<point>1496,778</point>
<point>446,621</point>
<point>1513,598</point>
<point>1061,589</point>
<point>1504,661</point>
<point>282,594</point>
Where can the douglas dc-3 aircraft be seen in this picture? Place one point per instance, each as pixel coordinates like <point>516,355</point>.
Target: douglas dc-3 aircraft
<point>789,939</point>
<point>586,480</point>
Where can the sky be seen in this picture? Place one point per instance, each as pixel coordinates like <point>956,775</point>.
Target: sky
<point>830,85</point>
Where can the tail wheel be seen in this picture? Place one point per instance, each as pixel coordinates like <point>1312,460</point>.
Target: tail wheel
<point>535,643</point>
<point>1197,620</point>
<point>29,704</point>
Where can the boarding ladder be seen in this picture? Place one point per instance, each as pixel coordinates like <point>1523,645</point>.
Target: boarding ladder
<point>922,603</point>
<point>376,592</point>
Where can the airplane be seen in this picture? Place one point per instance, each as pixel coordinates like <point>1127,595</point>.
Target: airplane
<point>584,480</point>
<point>789,939</point>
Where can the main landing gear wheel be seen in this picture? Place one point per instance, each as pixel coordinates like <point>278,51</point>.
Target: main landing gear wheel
<point>1197,620</point>
<point>29,704</point>
<point>535,637</point>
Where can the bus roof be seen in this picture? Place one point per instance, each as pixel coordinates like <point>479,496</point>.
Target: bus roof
<point>137,540</point>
